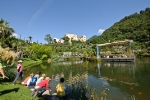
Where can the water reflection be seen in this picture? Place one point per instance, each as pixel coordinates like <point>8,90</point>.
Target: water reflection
<point>69,63</point>
<point>57,76</point>
<point>98,67</point>
<point>120,71</point>
<point>123,79</point>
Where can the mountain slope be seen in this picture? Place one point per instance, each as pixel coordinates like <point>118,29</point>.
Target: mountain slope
<point>135,27</point>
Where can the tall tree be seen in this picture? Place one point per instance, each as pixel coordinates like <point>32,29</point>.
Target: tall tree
<point>5,32</point>
<point>30,39</point>
<point>48,38</point>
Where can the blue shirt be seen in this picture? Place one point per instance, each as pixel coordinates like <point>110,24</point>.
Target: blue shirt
<point>34,78</point>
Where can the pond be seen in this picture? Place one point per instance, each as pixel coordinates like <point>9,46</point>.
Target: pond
<point>125,80</point>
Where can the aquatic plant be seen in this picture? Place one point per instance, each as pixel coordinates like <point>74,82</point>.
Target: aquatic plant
<point>104,94</point>
<point>133,97</point>
<point>78,88</point>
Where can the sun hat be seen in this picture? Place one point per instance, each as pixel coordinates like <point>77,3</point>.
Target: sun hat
<point>47,78</point>
<point>20,61</point>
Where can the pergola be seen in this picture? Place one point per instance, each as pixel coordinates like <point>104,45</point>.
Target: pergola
<point>117,43</point>
<point>124,53</point>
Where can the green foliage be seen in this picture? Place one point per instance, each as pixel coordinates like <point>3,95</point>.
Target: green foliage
<point>94,59</point>
<point>55,57</point>
<point>66,39</point>
<point>7,56</point>
<point>135,27</point>
<point>48,38</point>
<point>73,59</point>
<point>76,48</point>
<point>27,62</point>
<point>5,33</point>
<point>75,42</point>
<point>78,91</point>
<point>146,55</point>
<point>36,51</point>
<point>33,56</point>
<point>30,39</point>
<point>85,54</point>
<point>10,72</point>
<point>44,57</point>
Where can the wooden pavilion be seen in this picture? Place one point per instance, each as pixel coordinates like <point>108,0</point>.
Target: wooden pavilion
<point>125,55</point>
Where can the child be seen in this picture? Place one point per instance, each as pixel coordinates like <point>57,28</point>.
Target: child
<point>60,88</point>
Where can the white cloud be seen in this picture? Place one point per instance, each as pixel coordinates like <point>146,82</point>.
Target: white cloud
<point>15,35</point>
<point>100,31</point>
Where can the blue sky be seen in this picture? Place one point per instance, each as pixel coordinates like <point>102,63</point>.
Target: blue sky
<point>37,18</point>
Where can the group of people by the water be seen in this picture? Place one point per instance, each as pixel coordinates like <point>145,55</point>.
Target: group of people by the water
<point>39,83</point>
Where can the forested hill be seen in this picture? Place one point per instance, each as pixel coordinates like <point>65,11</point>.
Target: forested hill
<point>135,27</point>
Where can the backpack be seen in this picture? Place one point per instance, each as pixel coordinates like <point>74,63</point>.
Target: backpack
<point>60,90</point>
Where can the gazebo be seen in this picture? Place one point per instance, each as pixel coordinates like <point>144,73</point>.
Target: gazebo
<point>121,44</point>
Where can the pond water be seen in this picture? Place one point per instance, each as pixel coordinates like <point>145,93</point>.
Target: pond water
<point>125,80</point>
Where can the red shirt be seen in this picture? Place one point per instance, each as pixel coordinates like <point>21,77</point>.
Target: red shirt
<point>43,83</point>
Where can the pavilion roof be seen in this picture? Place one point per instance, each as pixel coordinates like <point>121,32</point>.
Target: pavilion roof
<point>116,43</point>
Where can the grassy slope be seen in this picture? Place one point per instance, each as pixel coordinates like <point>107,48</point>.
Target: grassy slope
<point>14,92</point>
<point>17,92</point>
<point>27,62</point>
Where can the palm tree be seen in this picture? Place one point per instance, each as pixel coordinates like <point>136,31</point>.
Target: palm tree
<point>30,39</point>
<point>48,38</point>
<point>5,32</point>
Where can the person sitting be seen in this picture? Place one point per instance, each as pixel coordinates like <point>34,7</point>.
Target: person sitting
<point>26,79</point>
<point>41,87</point>
<point>35,78</point>
<point>60,89</point>
<point>40,79</point>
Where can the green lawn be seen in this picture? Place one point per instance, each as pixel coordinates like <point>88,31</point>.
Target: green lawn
<point>27,62</point>
<point>8,91</point>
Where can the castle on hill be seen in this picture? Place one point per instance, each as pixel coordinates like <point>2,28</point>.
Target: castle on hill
<point>71,37</point>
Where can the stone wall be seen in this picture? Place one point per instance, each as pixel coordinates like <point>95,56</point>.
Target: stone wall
<point>75,37</point>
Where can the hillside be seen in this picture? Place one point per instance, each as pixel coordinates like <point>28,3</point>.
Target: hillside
<point>135,27</point>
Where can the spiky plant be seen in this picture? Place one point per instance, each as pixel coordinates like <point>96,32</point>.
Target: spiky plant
<point>7,58</point>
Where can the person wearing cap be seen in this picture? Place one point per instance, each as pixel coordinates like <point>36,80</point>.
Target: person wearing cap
<point>19,72</point>
<point>41,87</point>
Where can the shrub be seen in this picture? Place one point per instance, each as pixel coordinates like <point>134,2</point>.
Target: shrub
<point>44,57</point>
